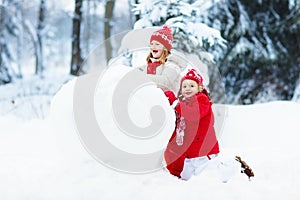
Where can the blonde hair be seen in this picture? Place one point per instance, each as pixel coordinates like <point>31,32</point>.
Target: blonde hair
<point>162,58</point>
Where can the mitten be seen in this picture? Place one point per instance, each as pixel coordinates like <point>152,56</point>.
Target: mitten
<point>171,96</point>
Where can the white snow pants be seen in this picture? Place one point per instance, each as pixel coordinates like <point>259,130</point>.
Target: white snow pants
<point>226,168</point>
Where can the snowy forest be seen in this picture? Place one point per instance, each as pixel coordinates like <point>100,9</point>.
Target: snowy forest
<point>70,132</point>
<point>255,47</point>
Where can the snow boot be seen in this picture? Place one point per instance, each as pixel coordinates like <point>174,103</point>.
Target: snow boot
<point>245,167</point>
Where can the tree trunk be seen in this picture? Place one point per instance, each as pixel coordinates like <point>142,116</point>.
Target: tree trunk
<point>39,65</point>
<point>133,17</point>
<point>88,27</point>
<point>76,58</point>
<point>1,36</point>
<point>137,17</point>
<point>5,77</point>
<point>19,14</point>
<point>107,27</point>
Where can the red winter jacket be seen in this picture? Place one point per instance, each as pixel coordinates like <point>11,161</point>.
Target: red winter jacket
<point>199,135</point>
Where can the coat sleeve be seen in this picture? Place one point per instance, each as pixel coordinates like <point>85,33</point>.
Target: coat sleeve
<point>167,78</point>
<point>196,110</point>
<point>143,68</point>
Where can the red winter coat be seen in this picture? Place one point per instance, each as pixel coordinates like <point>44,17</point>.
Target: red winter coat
<point>199,135</point>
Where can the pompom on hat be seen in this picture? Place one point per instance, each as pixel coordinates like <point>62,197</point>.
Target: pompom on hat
<point>164,36</point>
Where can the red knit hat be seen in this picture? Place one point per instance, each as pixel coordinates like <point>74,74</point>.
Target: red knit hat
<point>163,36</point>
<point>192,74</point>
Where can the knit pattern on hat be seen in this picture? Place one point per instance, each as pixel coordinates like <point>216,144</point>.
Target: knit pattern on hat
<point>192,74</point>
<point>164,36</point>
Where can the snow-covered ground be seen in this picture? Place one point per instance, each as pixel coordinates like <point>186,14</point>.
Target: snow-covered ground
<point>46,159</point>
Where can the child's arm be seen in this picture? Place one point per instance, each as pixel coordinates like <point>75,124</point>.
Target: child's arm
<point>167,78</point>
<point>142,68</point>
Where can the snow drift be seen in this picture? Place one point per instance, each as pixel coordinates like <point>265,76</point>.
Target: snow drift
<point>46,159</point>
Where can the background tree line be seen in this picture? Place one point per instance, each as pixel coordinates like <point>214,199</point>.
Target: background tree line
<point>259,61</point>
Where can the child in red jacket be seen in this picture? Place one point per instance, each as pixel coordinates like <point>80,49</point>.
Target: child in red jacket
<point>194,143</point>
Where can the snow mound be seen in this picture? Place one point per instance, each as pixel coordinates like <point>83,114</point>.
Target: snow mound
<point>138,102</point>
<point>45,159</point>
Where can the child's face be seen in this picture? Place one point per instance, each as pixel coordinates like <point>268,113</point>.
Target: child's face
<point>156,49</point>
<point>189,88</point>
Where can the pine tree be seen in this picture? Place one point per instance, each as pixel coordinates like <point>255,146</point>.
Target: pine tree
<point>5,76</point>
<point>9,29</point>
<point>261,61</point>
